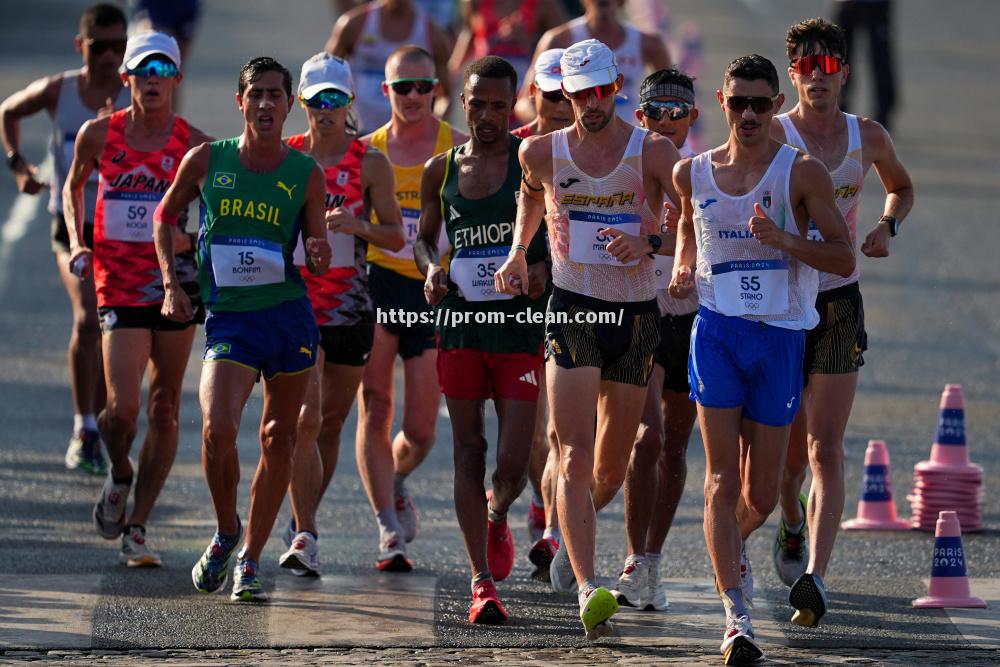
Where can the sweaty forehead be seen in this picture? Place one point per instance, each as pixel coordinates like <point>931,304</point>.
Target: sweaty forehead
<point>486,88</point>
<point>268,81</point>
<point>99,32</point>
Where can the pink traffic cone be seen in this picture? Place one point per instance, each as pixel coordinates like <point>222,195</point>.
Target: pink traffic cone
<point>949,577</point>
<point>949,448</point>
<point>876,509</point>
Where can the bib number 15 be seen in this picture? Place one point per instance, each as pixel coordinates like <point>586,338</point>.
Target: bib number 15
<point>246,258</point>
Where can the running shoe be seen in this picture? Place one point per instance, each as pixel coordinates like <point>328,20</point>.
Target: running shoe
<point>739,646</point>
<point>302,558</point>
<point>486,606</point>
<point>499,549</point>
<point>541,555</point>
<point>246,583</point>
<point>109,511</point>
<point>392,553</point>
<point>791,550</point>
<point>135,551</point>
<point>561,572</point>
<point>406,514</point>
<point>808,596</point>
<point>597,606</point>
<point>654,594</point>
<point>746,576</point>
<point>631,582</point>
<point>536,521</point>
<point>210,572</point>
<point>84,453</point>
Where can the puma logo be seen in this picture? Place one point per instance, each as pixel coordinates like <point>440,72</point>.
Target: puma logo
<point>569,182</point>
<point>287,189</point>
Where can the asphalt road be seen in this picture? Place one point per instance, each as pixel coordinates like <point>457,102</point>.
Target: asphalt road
<point>931,313</point>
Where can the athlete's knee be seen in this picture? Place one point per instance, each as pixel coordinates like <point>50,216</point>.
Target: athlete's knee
<point>722,489</point>
<point>673,462</point>
<point>509,483</point>
<point>576,464</point>
<point>648,444</point>
<point>122,412</point>
<point>610,475</point>
<point>277,438</point>
<point>377,406</point>
<point>310,421</point>
<point>826,456</point>
<point>163,409</point>
<point>762,499</point>
<point>419,436</point>
<point>219,435</point>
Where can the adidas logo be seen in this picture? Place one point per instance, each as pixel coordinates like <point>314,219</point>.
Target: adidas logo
<point>530,378</point>
<point>452,213</point>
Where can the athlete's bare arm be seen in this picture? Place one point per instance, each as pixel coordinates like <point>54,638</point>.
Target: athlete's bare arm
<point>314,224</point>
<point>379,185</point>
<point>686,247</point>
<point>654,52</point>
<point>425,251</point>
<point>877,147</point>
<point>39,95</point>
<point>463,44</point>
<point>185,188</point>
<point>535,155</point>
<point>345,32</point>
<point>87,151</point>
<point>811,190</point>
<point>659,155</point>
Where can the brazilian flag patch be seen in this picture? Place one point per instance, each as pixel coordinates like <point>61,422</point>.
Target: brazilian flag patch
<point>218,349</point>
<point>224,179</point>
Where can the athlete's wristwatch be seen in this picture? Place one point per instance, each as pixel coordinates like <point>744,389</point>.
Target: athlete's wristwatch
<point>14,159</point>
<point>892,222</point>
<point>655,241</point>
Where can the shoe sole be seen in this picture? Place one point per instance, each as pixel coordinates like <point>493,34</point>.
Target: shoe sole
<point>540,574</point>
<point>298,567</point>
<point>248,596</point>
<point>598,612</point>
<point>102,531</point>
<point>397,563</point>
<point>605,629</point>
<point>743,652</point>
<point>145,561</point>
<point>652,607</point>
<point>807,600</point>
<point>489,614</point>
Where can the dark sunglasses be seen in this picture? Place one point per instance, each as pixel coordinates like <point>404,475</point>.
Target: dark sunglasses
<point>600,92</point>
<point>161,69</point>
<point>674,109</point>
<point>827,64</point>
<point>404,86</point>
<point>99,46</point>
<point>554,96</point>
<point>331,98</point>
<point>757,104</point>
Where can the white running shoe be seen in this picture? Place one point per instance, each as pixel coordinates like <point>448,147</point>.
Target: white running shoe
<point>392,552</point>
<point>289,535</point>
<point>739,646</point>
<point>561,572</point>
<point>654,593</point>
<point>109,511</point>
<point>302,558</point>
<point>135,551</point>
<point>406,514</point>
<point>631,582</point>
<point>746,576</point>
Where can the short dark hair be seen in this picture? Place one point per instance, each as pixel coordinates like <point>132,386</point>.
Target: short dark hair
<point>101,15</point>
<point>753,67</point>
<point>665,76</point>
<point>491,67</point>
<point>829,36</point>
<point>259,66</point>
<point>410,53</point>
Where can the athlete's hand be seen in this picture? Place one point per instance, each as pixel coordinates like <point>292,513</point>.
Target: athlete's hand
<point>671,219</point>
<point>625,247</point>
<point>764,229</point>
<point>538,278</point>
<point>27,181</point>
<point>177,305</point>
<point>318,252</point>
<point>512,278</point>
<point>435,285</point>
<point>681,282</point>
<point>877,242</point>
<point>342,221</point>
<point>81,261</point>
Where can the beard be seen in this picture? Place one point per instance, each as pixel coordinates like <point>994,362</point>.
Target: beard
<point>600,125</point>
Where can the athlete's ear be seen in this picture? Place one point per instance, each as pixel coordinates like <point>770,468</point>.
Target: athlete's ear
<point>620,81</point>
<point>78,42</point>
<point>291,102</point>
<point>693,116</point>
<point>846,73</point>
<point>239,101</point>
<point>778,102</point>
<point>722,100</point>
<point>639,117</point>
<point>385,89</point>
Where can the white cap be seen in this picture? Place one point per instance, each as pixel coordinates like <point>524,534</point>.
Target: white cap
<point>587,64</point>
<point>548,71</point>
<point>145,44</point>
<point>324,71</point>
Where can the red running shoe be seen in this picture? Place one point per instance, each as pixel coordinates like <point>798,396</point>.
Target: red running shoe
<point>536,521</point>
<point>486,607</point>
<point>499,549</point>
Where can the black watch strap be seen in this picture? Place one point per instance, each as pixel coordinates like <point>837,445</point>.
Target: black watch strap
<point>13,159</point>
<point>892,222</point>
<point>655,242</point>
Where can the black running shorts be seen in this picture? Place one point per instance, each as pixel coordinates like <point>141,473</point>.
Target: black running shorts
<point>838,342</point>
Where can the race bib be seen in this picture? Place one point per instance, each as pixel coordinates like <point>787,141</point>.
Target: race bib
<point>664,268</point>
<point>242,261</point>
<point>813,234</point>
<point>587,246</point>
<point>411,225</point>
<point>341,247</point>
<point>472,271</point>
<point>751,287</point>
<point>128,216</point>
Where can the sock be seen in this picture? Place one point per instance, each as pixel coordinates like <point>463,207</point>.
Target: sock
<point>90,422</point>
<point>77,423</point>
<point>794,529</point>
<point>314,535</point>
<point>638,559</point>
<point>552,534</point>
<point>387,520</point>
<point>397,484</point>
<point>536,498</point>
<point>653,559</point>
<point>496,517</point>
<point>231,538</point>
<point>480,578</point>
<point>122,480</point>
<point>734,603</point>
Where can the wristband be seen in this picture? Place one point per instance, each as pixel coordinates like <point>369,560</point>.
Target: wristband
<point>519,247</point>
<point>161,216</point>
<point>528,185</point>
